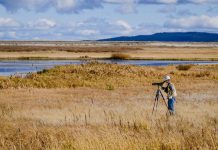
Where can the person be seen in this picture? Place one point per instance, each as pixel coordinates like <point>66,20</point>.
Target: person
<point>171,94</point>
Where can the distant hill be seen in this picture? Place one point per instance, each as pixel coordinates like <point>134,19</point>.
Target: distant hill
<point>170,37</point>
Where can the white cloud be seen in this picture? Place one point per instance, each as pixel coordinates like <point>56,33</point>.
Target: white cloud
<point>174,12</point>
<point>176,1</point>
<point>120,1</point>
<point>167,1</point>
<point>68,6</point>
<point>65,4</point>
<point>194,22</point>
<point>13,5</point>
<point>127,28</point>
<point>8,22</point>
<point>99,27</point>
<point>160,1</point>
<point>42,24</point>
<point>127,8</point>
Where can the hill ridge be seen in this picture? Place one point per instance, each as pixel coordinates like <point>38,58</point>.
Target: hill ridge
<point>170,37</point>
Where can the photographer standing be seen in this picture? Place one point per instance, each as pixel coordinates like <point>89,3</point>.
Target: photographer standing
<point>171,94</point>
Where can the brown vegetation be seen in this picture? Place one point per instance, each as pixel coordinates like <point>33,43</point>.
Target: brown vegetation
<point>116,115</point>
<point>184,67</point>
<point>75,49</point>
<point>93,50</point>
<point>100,75</point>
<point>120,56</point>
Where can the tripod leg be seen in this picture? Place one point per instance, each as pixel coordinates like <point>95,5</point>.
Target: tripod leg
<point>154,106</point>
<point>164,101</point>
<point>155,103</point>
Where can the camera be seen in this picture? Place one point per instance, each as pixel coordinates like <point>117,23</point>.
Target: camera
<point>158,83</point>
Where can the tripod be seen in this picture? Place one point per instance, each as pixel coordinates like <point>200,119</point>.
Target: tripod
<point>158,94</point>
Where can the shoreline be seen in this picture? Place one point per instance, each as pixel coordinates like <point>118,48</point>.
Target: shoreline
<point>89,43</point>
<point>107,58</point>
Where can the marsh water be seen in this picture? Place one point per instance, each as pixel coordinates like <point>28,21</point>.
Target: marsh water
<point>13,67</point>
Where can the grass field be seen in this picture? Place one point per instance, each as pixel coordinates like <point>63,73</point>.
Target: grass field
<point>108,106</point>
<point>92,50</point>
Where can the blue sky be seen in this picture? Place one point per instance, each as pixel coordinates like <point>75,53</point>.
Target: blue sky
<point>96,19</point>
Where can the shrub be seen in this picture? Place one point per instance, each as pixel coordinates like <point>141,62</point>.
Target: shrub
<point>43,71</point>
<point>110,87</point>
<point>120,56</point>
<point>184,67</point>
<point>203,74</point>
<point>84,57</point>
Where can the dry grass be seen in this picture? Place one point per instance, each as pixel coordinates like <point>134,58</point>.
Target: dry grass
<point>69,48</point>
<point>102,75</point>
<point>105,50</point>
<point>97,118</point>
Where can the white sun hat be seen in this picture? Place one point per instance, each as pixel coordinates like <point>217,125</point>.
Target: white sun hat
<point>166,78</point>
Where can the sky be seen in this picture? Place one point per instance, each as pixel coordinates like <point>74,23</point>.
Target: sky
<point>96,19</point>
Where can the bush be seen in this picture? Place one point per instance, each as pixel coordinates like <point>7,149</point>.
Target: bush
<point>203,74</point>
<point>120,56</point>
<point>184,67</point>
<point>84,57</point>
<point>110,87</point>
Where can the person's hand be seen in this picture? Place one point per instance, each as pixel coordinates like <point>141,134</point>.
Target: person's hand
<point>170,97</point>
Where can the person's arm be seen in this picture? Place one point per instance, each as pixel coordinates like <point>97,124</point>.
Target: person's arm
<point>165,89</point>
<point>173,89</point>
